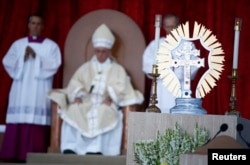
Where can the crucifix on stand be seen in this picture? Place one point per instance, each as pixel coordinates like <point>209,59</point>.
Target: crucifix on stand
<point>179,62</point>
<point>182,57</point>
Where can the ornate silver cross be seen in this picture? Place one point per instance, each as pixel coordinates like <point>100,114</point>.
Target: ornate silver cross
<point>186,55</point>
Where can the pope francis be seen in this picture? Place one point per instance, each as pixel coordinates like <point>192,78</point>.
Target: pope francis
<point>90,105</point>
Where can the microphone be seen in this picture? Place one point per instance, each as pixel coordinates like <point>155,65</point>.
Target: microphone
<point>223,128</point>
<point>240,128</point>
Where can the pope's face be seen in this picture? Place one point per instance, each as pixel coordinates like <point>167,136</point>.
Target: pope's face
<point>102,54</point>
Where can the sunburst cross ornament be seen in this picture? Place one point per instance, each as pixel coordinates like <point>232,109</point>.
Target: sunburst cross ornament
<point>179,51</point>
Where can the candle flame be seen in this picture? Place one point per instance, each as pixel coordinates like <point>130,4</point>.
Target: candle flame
<point>157,20</point>
<point>238,23</point>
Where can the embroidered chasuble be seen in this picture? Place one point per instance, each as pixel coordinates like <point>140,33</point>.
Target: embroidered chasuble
<point>100,81</point>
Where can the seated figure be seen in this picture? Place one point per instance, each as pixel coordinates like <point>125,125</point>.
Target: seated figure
<point>90,106</point>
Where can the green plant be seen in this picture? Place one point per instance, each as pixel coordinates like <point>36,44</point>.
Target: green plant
<point>166,148</point>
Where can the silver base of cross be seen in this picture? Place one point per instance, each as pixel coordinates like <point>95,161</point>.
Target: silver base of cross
<point>188,106</point>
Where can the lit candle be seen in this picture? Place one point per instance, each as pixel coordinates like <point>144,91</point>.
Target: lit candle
<point>237,29</point>
<point>157,33</point>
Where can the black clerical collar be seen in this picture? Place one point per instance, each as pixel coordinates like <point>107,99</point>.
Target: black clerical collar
<point>37,39</point>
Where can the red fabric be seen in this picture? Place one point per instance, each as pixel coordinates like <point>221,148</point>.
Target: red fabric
<point>216,15</point>
<point>20,139</point>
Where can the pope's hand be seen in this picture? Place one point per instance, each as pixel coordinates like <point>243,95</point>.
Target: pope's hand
<point>78,100</point>
<point>107,101</point>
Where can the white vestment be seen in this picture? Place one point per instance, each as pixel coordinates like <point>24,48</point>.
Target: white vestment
<point>32,79</point>
<point>165,98</point>
<point>92,126</point>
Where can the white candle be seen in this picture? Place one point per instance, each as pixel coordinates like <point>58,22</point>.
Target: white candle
<point>157,34</point>
<point>237,29</point>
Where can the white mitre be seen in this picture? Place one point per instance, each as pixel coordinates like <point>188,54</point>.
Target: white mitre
<point>103,37</point>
